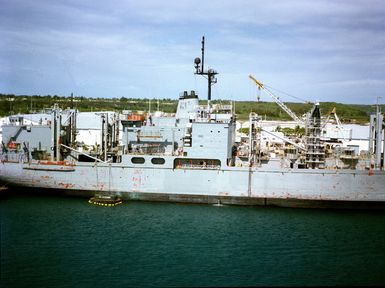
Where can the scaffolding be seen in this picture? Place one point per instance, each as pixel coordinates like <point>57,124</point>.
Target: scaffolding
<point>315,152</point>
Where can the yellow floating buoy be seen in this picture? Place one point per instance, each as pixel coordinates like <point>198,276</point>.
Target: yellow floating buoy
<point>105,201</point>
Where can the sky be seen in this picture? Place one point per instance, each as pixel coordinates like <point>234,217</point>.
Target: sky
<point>315,50</point>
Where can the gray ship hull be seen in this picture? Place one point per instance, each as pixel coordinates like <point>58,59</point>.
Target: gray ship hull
<point>193,156</point>
<point>235,185</point>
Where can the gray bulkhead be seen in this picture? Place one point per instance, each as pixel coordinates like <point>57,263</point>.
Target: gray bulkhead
<point>34,136</point>
<point>192,134</point>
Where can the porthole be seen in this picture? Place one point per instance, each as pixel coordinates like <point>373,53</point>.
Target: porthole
<point>157,161</point>
<point>137,160</point>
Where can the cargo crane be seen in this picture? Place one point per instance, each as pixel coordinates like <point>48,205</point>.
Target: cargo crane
<point>338,123</point>
<point>333,113</point>
<point>278,101</point>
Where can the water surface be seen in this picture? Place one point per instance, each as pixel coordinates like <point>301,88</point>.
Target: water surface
<point>66,242</point>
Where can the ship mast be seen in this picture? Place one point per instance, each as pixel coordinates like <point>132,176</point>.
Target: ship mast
<point>210,73</point>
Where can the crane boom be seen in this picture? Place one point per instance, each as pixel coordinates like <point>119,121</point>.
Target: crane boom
<point>278,101</point>
<point>338,122</point>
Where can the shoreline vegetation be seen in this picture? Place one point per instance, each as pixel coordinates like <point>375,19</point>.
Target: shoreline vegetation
<point>24,104</point>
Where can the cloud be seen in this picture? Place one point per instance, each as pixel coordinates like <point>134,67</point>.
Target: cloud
<point>121,48</point>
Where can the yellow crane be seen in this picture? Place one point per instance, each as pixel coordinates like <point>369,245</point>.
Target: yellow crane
<point>277,100</point>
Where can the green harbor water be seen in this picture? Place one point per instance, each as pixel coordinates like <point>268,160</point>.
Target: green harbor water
<point>66,242</point>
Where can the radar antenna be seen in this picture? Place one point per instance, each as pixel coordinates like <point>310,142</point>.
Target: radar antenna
<point>199,70</point>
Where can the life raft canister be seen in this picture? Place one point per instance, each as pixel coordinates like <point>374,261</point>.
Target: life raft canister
<point>12,145</point>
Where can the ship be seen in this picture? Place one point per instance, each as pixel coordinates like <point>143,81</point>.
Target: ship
<point>192,156</point>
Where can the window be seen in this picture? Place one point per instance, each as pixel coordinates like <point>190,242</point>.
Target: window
<point>157,161</point>
<point>186,163</point>
<point>137,160</point>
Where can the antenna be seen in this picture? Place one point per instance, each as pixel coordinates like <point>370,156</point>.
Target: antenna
<point>199,70</point>
<point>378,108</point>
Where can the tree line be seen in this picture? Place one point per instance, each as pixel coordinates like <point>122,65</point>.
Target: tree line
<point>24,104</point>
